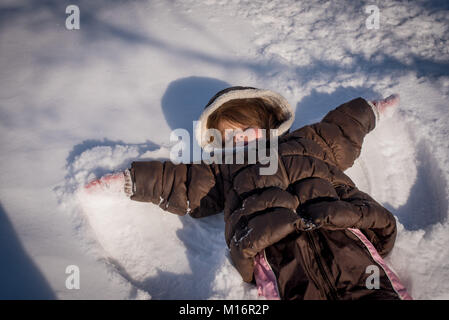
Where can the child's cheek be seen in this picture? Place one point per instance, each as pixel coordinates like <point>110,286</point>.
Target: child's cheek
<point>252,135</point>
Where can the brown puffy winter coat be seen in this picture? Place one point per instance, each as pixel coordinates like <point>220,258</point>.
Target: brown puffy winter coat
<point>263,212</point>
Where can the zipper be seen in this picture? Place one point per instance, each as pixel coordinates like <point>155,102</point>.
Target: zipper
<point>330,287</point>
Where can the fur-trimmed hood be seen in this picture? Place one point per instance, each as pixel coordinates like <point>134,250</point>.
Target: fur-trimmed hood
<point>239,92</point>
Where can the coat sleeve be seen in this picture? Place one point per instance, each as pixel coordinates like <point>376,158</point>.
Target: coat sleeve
<point>356,209</point>
<point>196,189</point>
<point>341,132</point>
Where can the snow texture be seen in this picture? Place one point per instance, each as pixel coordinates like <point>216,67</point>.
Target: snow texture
<point>78,104</point>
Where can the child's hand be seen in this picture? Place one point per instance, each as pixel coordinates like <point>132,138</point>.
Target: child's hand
<point>115,182</point>
<point>387,106</point>
<point>305,224</point>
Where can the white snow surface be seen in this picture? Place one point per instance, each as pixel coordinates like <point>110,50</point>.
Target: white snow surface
<point>75,105</point>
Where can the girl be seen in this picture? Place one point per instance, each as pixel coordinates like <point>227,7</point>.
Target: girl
<point>304,232</point>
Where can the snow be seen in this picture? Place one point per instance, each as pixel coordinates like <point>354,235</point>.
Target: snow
<point>79,104</point>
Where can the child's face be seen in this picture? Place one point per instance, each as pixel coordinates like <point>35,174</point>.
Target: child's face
<point>240,133</point>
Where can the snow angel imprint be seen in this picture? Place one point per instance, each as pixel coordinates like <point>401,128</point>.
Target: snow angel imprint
<point>304,232</point>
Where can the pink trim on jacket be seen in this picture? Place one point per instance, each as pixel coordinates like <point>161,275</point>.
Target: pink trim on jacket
<point>395,282</point>
<point>265,278</point>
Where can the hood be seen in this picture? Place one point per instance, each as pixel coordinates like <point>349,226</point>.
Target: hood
<point>239,92</point>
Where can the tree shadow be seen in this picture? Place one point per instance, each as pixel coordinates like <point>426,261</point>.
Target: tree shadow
<point>43,15</point>
<point>198,27</point>
<point>378,65</point>
<point>434,5</point>
<point>20,278</point>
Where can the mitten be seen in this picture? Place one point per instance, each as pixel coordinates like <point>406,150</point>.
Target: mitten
<point>385,108</point>
<point>115,182</point>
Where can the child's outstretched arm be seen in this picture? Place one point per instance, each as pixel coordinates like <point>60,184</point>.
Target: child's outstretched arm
<point>341,132</point>
<point>196,189</point>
